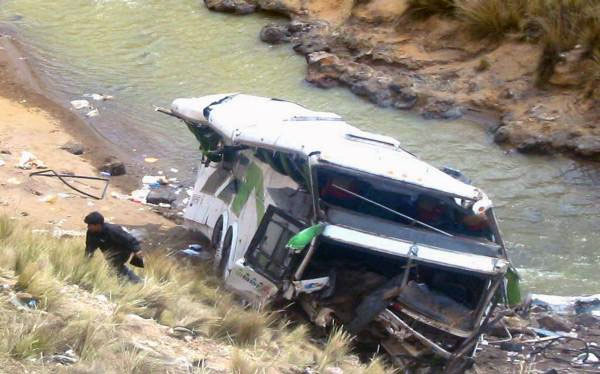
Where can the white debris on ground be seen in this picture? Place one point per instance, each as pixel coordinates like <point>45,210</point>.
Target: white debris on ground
<point>92,113</point>
<point>80,104</point>
<point>99,97</point>
<point>28,161</point>
<point>568,305</point>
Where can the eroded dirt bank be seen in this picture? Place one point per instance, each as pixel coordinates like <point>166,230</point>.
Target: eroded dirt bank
<point>433,66</point>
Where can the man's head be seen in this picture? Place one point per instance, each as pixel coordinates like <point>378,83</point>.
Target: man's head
<point>94,222</point>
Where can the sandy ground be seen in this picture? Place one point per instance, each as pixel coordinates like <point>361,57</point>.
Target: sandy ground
<point>47,203</point>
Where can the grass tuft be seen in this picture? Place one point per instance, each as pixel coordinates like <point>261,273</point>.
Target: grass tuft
<point>336,349</point>
<point>240,326</point>
<point>424,8</point>
<point>241,364</point>
<point>6,227</point>
<point>491,18</point>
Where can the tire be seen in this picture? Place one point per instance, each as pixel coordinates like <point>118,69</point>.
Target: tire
<point>217,233</point>
<point>225,251</point>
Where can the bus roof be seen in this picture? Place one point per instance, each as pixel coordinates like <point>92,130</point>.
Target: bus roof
<point>285,126</point>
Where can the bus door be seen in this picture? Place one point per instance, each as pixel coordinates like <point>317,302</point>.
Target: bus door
<point>258,276</point>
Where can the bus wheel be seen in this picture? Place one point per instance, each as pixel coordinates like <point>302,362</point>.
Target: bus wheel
<point>215,239</point>
<point>225,251</point>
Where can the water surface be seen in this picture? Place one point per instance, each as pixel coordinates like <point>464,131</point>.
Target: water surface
<point>150,51</point>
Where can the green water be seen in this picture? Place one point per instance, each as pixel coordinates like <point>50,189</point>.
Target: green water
<point>150,51</point>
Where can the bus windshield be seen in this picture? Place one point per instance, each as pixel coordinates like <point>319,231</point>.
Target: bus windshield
<point>393,201</point>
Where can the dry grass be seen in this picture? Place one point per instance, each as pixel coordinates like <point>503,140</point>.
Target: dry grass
<point>491,18</point>
<point>170,293</point>
<point>556,25</point>
<point>336,349</point>
<point>430,7</point>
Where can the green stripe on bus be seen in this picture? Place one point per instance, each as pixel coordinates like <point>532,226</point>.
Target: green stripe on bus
<point>252,182</point>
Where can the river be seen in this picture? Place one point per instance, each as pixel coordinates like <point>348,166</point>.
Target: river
<point>148,52</point>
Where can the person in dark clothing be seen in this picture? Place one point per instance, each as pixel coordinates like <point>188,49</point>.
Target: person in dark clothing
<point>117,246</point>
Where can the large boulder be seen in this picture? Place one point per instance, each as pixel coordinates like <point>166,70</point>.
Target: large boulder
<point>231,6</point>
<point>275,33</point>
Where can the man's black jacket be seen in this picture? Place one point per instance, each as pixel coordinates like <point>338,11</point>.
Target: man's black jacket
<point>114,242</point>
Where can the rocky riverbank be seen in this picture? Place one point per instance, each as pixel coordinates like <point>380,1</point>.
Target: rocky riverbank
<point>433,66</point>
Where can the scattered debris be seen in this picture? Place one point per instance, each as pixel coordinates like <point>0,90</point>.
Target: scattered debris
<point>60,233</point>
<point>99,97</point>
<point>53,174</point>
<point>196,251</point>
<point>140,195</point>
<point>80,104</point>
<point>28,161</point>
<point>150,160</point>
<point>23,301</point>
<point>161,196</point>
<point>67,358</point>
<point>92,113</point>
<point>154,181</point>
<point>568,305</point>
<point>173,170</point>
<point>114,167</point>
<point>74,148</point>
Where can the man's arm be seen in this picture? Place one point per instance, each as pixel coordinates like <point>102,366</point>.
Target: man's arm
<point>90,245</point>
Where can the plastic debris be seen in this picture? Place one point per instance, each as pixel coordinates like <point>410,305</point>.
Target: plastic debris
<point>140,195</point>
<point>154,181</point>
<point>60,233</point>
<point>105,173</point>
<point>164,205</point>
<point>195,251</point>
<point>2,163</point>
<point>586,358</point>
<point>80,104</point>
<point>119,196</point>
<point>568,305</point>
<point>99,97</point>
<point>28,160</point>
<point>150,160</point>
<point>92,113</point>
<point>173,170</point>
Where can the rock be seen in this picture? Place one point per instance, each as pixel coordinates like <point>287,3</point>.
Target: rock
<point>441,109</point>
<point>275,33</point>
<point>231,6</point>
<point>554,323</point>
<point>312,43</point>
<point>534,145</point>
<point>5,152</point>
<point>324,69</point>
<point>502,135</point>
<point>453,113</point>
<point>113,166</point>
<point>587,320</point>
<point>74,148</point>
<point>588,146</point>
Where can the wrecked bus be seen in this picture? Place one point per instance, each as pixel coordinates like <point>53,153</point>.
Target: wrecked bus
<point>300,205</point>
